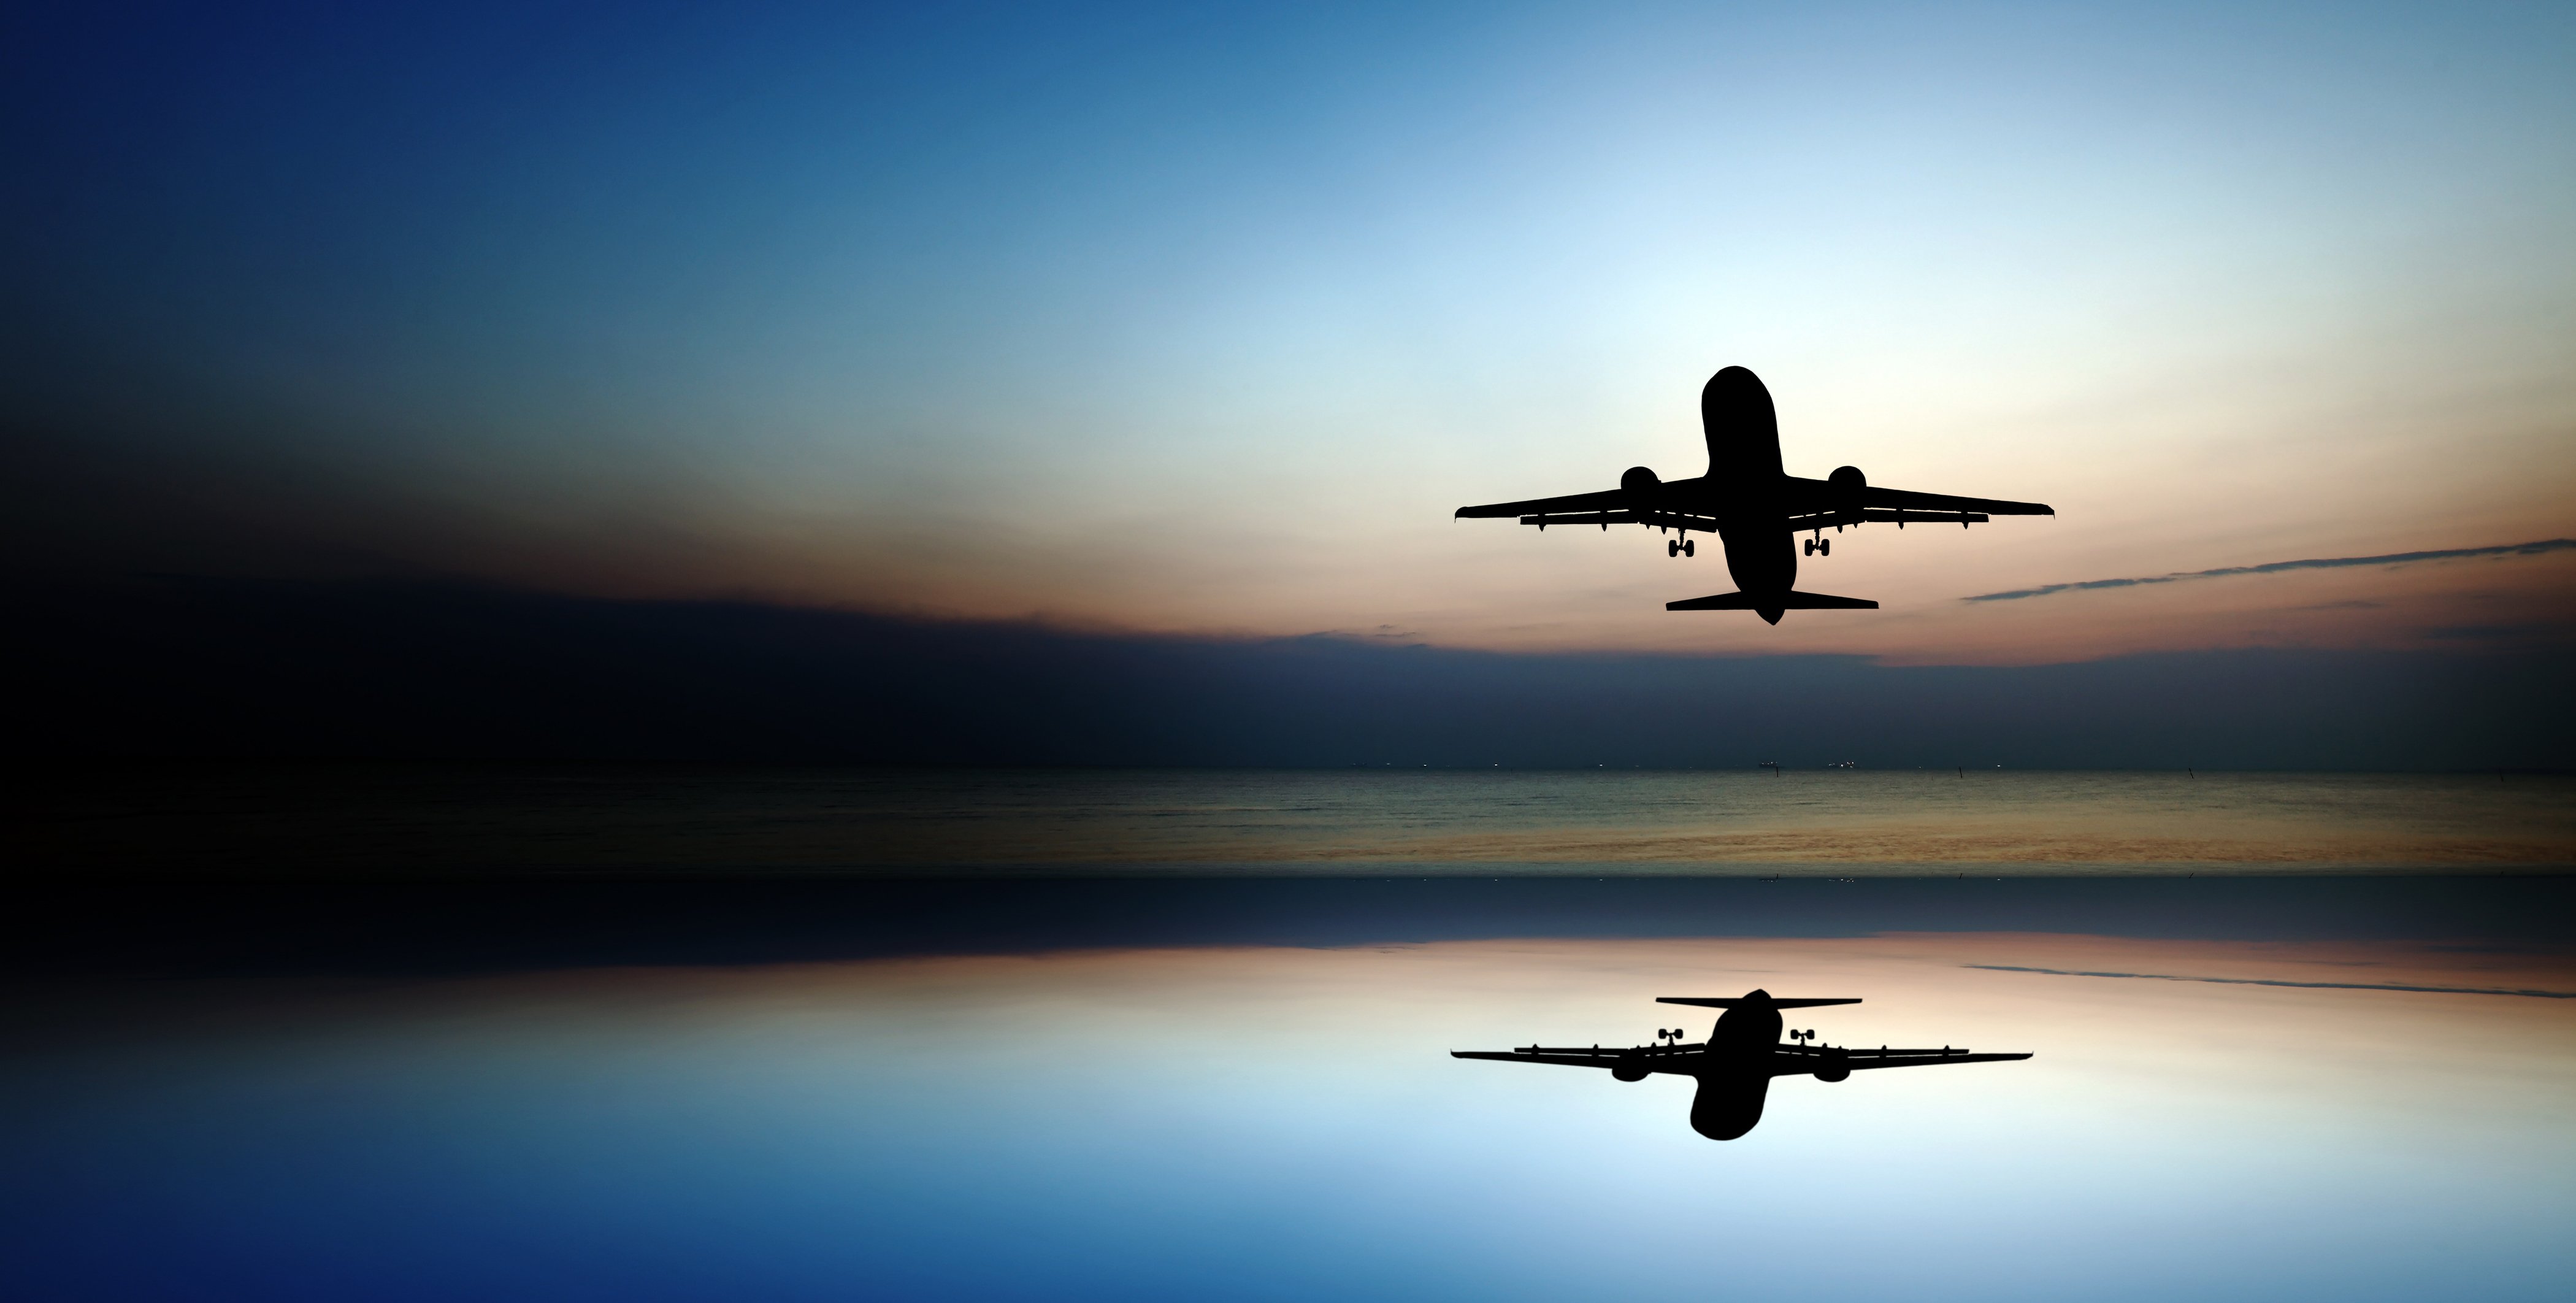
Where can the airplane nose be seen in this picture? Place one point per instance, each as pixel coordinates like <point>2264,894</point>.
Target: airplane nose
<point>1732,385</point>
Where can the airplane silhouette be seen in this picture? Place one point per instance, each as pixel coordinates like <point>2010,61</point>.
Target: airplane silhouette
<point>1753,506</point>
<point>1736,1063</point>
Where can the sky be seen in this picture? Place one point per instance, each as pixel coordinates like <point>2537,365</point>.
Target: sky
<point>1202,319</point>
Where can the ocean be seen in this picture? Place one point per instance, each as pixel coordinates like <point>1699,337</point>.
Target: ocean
<point>627,820</point>
<point>440,1032</point>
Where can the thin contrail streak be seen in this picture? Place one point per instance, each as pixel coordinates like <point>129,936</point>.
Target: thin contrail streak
<point>2266,981</point>
<point>2275,567</point>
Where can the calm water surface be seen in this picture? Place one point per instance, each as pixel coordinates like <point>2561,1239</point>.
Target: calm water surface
<point>661,1034</point>
<point>614,820</point>
<point>1267,1122</point>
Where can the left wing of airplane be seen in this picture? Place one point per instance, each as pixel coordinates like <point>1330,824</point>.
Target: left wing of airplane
<point>1651,1058</point>
<point>1605,500</point>
<point>1645,506</point>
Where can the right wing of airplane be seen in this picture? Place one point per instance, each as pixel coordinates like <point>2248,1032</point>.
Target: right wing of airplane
<point>1819,503</point>
<point>1908,500</point>
<point>1809,1059</point>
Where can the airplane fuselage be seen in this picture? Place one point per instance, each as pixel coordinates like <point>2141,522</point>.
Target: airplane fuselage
<point>1744,491</point>
<point>1745,479</point>
<point>1736,1069</point>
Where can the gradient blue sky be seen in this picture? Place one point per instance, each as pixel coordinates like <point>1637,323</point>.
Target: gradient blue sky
<point>1203,319</point>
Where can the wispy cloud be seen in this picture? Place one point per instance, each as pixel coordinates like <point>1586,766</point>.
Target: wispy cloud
<point>2276,567</point>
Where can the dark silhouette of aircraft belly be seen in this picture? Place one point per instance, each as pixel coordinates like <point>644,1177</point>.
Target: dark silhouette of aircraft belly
<point>1735,1065</point>
<point>1727,1107</point>
<point>1752,504</point>
<point>1744,470</point>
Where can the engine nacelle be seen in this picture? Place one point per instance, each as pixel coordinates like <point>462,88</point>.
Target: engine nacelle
<point>1640,479</point>
<point>1849,484</point>
<point>1836,1067</point>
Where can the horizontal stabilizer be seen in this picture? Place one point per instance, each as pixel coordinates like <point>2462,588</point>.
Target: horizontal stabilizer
<point>1730,1001</point>
<point>1773,601</point>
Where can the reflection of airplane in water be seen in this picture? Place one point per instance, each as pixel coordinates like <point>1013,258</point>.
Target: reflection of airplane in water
<point>1737,1062</point>
<point>1752,505</point>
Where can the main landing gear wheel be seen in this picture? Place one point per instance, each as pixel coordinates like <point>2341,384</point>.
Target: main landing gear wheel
<point>1672,547</point>
<point>1819,546</point>
<point>1690,547</point>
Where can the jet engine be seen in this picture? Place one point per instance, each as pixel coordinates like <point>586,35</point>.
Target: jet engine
<point>1848,484</point>
<point>1837,1065</point>
<point>1640,479</point>
<point>1630,1072</point>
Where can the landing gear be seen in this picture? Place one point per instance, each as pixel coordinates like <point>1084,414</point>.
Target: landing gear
<point>1689,548</point>
<point>1818,546</point>
<point>1680,547</point>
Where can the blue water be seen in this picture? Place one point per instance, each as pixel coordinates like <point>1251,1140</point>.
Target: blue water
<point>1283,1122</point>
<point>408,1079</point>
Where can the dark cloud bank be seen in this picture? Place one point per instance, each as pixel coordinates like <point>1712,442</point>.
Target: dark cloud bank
<point>193,667</point>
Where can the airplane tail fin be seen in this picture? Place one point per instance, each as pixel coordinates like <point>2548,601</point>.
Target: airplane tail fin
<point>1772,602</point>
